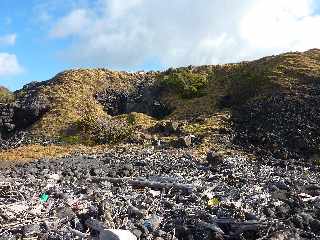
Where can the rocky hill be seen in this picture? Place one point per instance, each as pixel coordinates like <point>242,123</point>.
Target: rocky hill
<point>268,106</point>
<point>211,152</point>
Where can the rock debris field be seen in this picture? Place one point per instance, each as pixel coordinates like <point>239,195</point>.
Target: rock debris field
<point>128,194</point>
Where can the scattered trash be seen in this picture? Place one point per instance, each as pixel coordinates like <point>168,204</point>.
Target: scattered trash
<point>55,177</point>
<point>156,194</point>
<point>153,222</point>
<point>44,197</point>
<point>116,234</point>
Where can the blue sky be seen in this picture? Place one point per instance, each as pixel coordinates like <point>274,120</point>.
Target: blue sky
<point>39,38</point>
<point>36,52</point>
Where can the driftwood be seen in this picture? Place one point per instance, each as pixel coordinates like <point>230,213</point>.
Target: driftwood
<point>213,227</point>
<point>78,233</point>
<point>147,183</point>
<point>239,227</point>
<point>23,222</point>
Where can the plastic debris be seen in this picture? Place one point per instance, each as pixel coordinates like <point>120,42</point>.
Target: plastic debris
<point>213,202</point>
<point>116,234</point>
<point>55,177</point>
<point>155,193</point>
<point>153,222</point>
<point>44,197</point>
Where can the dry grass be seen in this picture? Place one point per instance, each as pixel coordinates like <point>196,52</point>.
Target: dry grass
<point>32,152</point>
<point>5,95</point>
<point>212,130</point>
<point>138,120</point>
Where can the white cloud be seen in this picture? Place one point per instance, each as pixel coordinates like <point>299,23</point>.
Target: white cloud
<point>128,33</point>
<point>9,65</point>
<point>290,25</point>
<point>74,23</point>
<point>9,39</point>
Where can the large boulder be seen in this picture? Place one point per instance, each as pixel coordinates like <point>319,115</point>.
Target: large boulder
<point>27,108</point>
<point>167,128</point>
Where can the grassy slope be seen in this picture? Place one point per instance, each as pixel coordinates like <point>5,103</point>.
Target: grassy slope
<point>72,94</point>
<point>247,80</point>
<point>5,95</point>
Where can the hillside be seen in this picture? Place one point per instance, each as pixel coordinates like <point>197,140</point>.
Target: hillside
<point>263,107</point>
<point>5,95</point>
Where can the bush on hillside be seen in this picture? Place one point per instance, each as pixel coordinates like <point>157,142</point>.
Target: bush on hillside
<point>186,83</point>
<point>244,84</point>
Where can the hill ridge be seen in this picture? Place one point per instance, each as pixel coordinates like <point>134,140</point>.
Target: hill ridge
<point>101,106</point>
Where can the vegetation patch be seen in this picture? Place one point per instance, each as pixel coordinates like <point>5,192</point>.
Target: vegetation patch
<point>243,83</point>
<point>104,130</point>
<point>131,119</point>
<point>5,95</point>
<point>72,139</point>
<point>36,151</point>
<point>185,83</point>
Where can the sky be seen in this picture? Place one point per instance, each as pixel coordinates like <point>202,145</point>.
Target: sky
<point>40,38</point>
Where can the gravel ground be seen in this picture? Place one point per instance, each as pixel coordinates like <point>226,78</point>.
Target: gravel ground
<point>160,194</point>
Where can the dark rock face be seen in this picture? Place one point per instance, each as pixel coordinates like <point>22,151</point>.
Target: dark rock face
<point>31,108</point>
<point>285,125</point>
<point>147,100</point>
<point>143,99</point>
<point>6,119</point>
<point>114,103</point>
<point>23,112</point>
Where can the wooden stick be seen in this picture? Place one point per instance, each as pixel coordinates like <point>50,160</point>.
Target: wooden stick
<point>78,233</point>
<point>146,183</point>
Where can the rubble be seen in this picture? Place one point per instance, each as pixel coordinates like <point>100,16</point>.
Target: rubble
<point>283,124</point>
<point>147,193</point>
<point>213,158</point>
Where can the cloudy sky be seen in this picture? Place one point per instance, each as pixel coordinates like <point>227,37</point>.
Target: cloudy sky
<point>39,38</point>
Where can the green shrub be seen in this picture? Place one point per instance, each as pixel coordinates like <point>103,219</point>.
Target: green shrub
<point>71,139</point>
<point>186,83</point>
<point>244,84</point>
<point>131,119</point>
<point>317,162</point>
